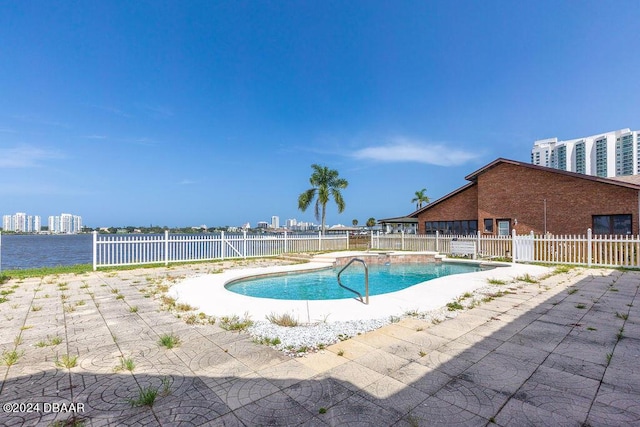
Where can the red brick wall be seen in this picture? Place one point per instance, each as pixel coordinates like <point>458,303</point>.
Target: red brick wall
<point>516,192</point>
<point>462,206</point>
<point>513,192</point>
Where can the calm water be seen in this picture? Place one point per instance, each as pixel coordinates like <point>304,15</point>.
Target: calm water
<point>322,285</point>
<point>32,251</point>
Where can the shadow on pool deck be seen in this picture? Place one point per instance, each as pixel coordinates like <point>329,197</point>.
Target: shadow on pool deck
<point>555,357</point>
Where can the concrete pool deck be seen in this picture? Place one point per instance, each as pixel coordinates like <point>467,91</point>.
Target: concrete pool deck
<point>208,292</point>
<point>560,352</point>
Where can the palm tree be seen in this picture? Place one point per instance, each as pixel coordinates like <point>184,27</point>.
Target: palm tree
<point>371,222</point>
<point>325,183</point>
<point>354,222</point>
<point>421,197</point>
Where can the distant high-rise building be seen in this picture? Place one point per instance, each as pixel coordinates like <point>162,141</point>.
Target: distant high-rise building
<point>275,221</point>
<point>291,223</point>
<point>21,223</point>
<point>65,224</point>
<point>608,154</point>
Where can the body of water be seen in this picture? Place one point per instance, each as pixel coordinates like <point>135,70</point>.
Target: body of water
<point>19,252</point>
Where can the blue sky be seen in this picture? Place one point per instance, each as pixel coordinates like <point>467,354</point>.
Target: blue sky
<point>199,112</point>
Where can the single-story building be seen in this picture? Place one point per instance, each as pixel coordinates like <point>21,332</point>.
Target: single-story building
<point>406,224</point>
<point>508,195</point>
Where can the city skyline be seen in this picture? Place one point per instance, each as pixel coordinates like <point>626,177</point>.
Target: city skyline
<point>213,113</point>
<point>21,222</point>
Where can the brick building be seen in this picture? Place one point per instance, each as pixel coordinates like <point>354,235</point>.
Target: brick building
<point>506,195</point>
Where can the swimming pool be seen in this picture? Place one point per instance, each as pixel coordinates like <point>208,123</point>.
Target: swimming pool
<point>323,285</point>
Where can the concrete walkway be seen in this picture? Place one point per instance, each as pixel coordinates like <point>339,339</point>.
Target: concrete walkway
<point>561,352</point>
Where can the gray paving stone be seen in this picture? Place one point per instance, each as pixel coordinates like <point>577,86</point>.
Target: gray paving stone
<point>530,358</point>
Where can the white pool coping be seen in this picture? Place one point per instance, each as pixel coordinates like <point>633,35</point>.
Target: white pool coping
<point>209,294</point>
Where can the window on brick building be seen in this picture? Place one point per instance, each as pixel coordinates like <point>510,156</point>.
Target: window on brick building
<point>612,224</point>
<point>488,225</point>
<point>465,227</point>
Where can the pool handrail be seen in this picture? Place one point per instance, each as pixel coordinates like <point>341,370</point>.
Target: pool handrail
<point>366,280</point>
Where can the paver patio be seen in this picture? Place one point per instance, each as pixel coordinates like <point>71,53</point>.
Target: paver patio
<point>561,352</point>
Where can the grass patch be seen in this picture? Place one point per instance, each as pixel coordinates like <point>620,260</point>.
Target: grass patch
<point>146,397</point>
<point>496,282</point>
<point>572,291</point>
<point>527,279</point>
<point>47,271</point>
<point>4,278</point>
<point>580,306</point>
<point>235,323</point>
<point>561,269</point>
<point>119,296</point>
<point>133,309</point>
<point>591,328</point>
<point>184,307</point>
<point>455,305</point>
<point>284,319</point>
<point>609,356</point>
<point>11,357</point>
<point>67,361</point>
<point>126,363</point>
<point>169,341</point>
<point>36,307</point>
<point>622,316</point>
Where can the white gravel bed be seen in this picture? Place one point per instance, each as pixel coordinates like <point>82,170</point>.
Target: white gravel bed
<point>300,340</point>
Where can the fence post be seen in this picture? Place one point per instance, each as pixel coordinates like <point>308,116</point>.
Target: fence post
<point>222,248</point>
<point>402,239</point>
<point>437,244</point>
<point>347,240</point>
<point>166,247</point>
<point>244,244</point>
<point>285,241</point>
<point>589,248</point>
<point>479,240</point>
<point>513,246</point>
<point>319,240</point>
<point>95,250</point>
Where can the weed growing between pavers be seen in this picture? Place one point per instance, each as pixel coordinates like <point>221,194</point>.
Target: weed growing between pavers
<point>50,342</point>
<point>235,323</point>
<point>69,422</point>
<point>169,341</point>
<point>126,363</point>
<point>67,361</point>
<point>148,395</point>
<point>10,357</point>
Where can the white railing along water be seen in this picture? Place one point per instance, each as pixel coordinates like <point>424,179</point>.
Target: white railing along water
<point>137,249</point>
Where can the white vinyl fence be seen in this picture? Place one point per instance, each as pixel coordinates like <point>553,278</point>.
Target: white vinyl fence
<point>589,250</point>
<point>134,249</point>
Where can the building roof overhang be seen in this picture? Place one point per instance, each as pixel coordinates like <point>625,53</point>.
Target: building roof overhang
<point>618,182</point>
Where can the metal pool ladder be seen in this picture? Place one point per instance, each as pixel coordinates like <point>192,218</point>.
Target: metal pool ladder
<point>366,280</point>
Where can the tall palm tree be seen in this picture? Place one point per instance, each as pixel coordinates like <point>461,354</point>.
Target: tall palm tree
<point>371,222</point>
<point>325,183</point>
<point>421,197</point>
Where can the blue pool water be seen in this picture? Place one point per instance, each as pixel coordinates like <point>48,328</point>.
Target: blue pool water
<point>323,284</point>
